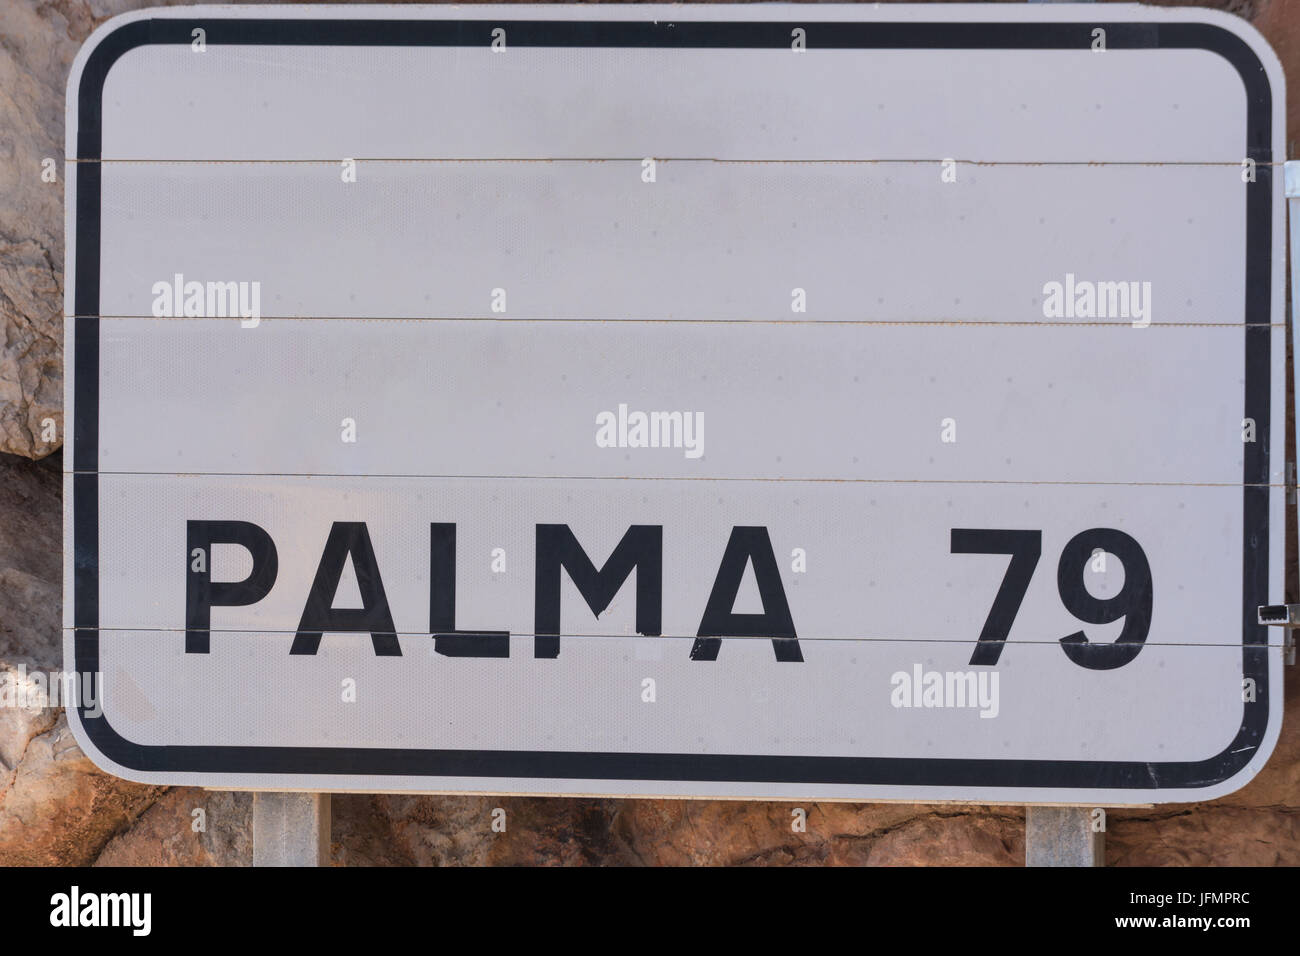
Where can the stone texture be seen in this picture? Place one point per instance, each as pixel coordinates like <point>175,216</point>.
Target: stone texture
<point>37,48</point>
<point>757,833</point>
<point>445,831</point>
<point>166,834</point>
<point>442,831</point>
<point>1279,21</point>
<point>31,561</point>
<point>23,715</point>
<point>59,809</point>
<point>1205,835</point>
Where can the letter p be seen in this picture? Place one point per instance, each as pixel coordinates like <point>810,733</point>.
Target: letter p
<point>201,592</point>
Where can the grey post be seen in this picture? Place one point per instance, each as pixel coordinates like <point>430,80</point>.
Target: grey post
<point>1063,836</point>
<point>291,829</point>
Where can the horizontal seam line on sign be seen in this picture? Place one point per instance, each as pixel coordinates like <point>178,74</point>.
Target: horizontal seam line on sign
<point>334,161</point>
<point>845,481</point>
<point>643,637</point>
<point>992,323</point>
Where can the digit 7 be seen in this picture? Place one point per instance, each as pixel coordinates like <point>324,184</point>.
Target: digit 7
<point>1025,548</point>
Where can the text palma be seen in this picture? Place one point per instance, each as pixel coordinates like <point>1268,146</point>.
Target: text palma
<point>558,551</point>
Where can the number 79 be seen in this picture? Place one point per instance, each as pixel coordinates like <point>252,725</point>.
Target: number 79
<point>1133,602</point>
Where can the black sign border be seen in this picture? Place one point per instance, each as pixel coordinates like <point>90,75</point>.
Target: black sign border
<point>717,768</point>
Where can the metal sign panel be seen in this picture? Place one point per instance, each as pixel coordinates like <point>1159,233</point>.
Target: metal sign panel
<point>763,401</point>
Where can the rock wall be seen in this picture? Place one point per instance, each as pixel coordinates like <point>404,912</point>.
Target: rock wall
<point>55,807</point>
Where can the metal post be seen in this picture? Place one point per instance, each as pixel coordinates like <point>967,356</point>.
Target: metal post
<point>291,829</point>
<point>1063,836</point>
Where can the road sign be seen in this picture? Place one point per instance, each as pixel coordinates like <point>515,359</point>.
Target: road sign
<point>773,401</point>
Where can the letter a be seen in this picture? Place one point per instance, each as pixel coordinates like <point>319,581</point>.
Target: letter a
<point>747,545</point>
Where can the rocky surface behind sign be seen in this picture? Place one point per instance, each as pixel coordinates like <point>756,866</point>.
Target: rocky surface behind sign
<point>55,807</point>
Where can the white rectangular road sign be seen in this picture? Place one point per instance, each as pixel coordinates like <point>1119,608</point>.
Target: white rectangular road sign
<point>768,401</point>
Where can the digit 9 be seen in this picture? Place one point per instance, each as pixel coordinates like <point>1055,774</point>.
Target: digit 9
<point>1132,603</point>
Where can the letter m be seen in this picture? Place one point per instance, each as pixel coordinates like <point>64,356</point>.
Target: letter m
<point>119,906</point>
<point>223,299</point>
<point>1114,295</point>
<point>641,550</point>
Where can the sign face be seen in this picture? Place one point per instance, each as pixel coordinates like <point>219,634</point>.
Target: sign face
<point>772,401</point>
